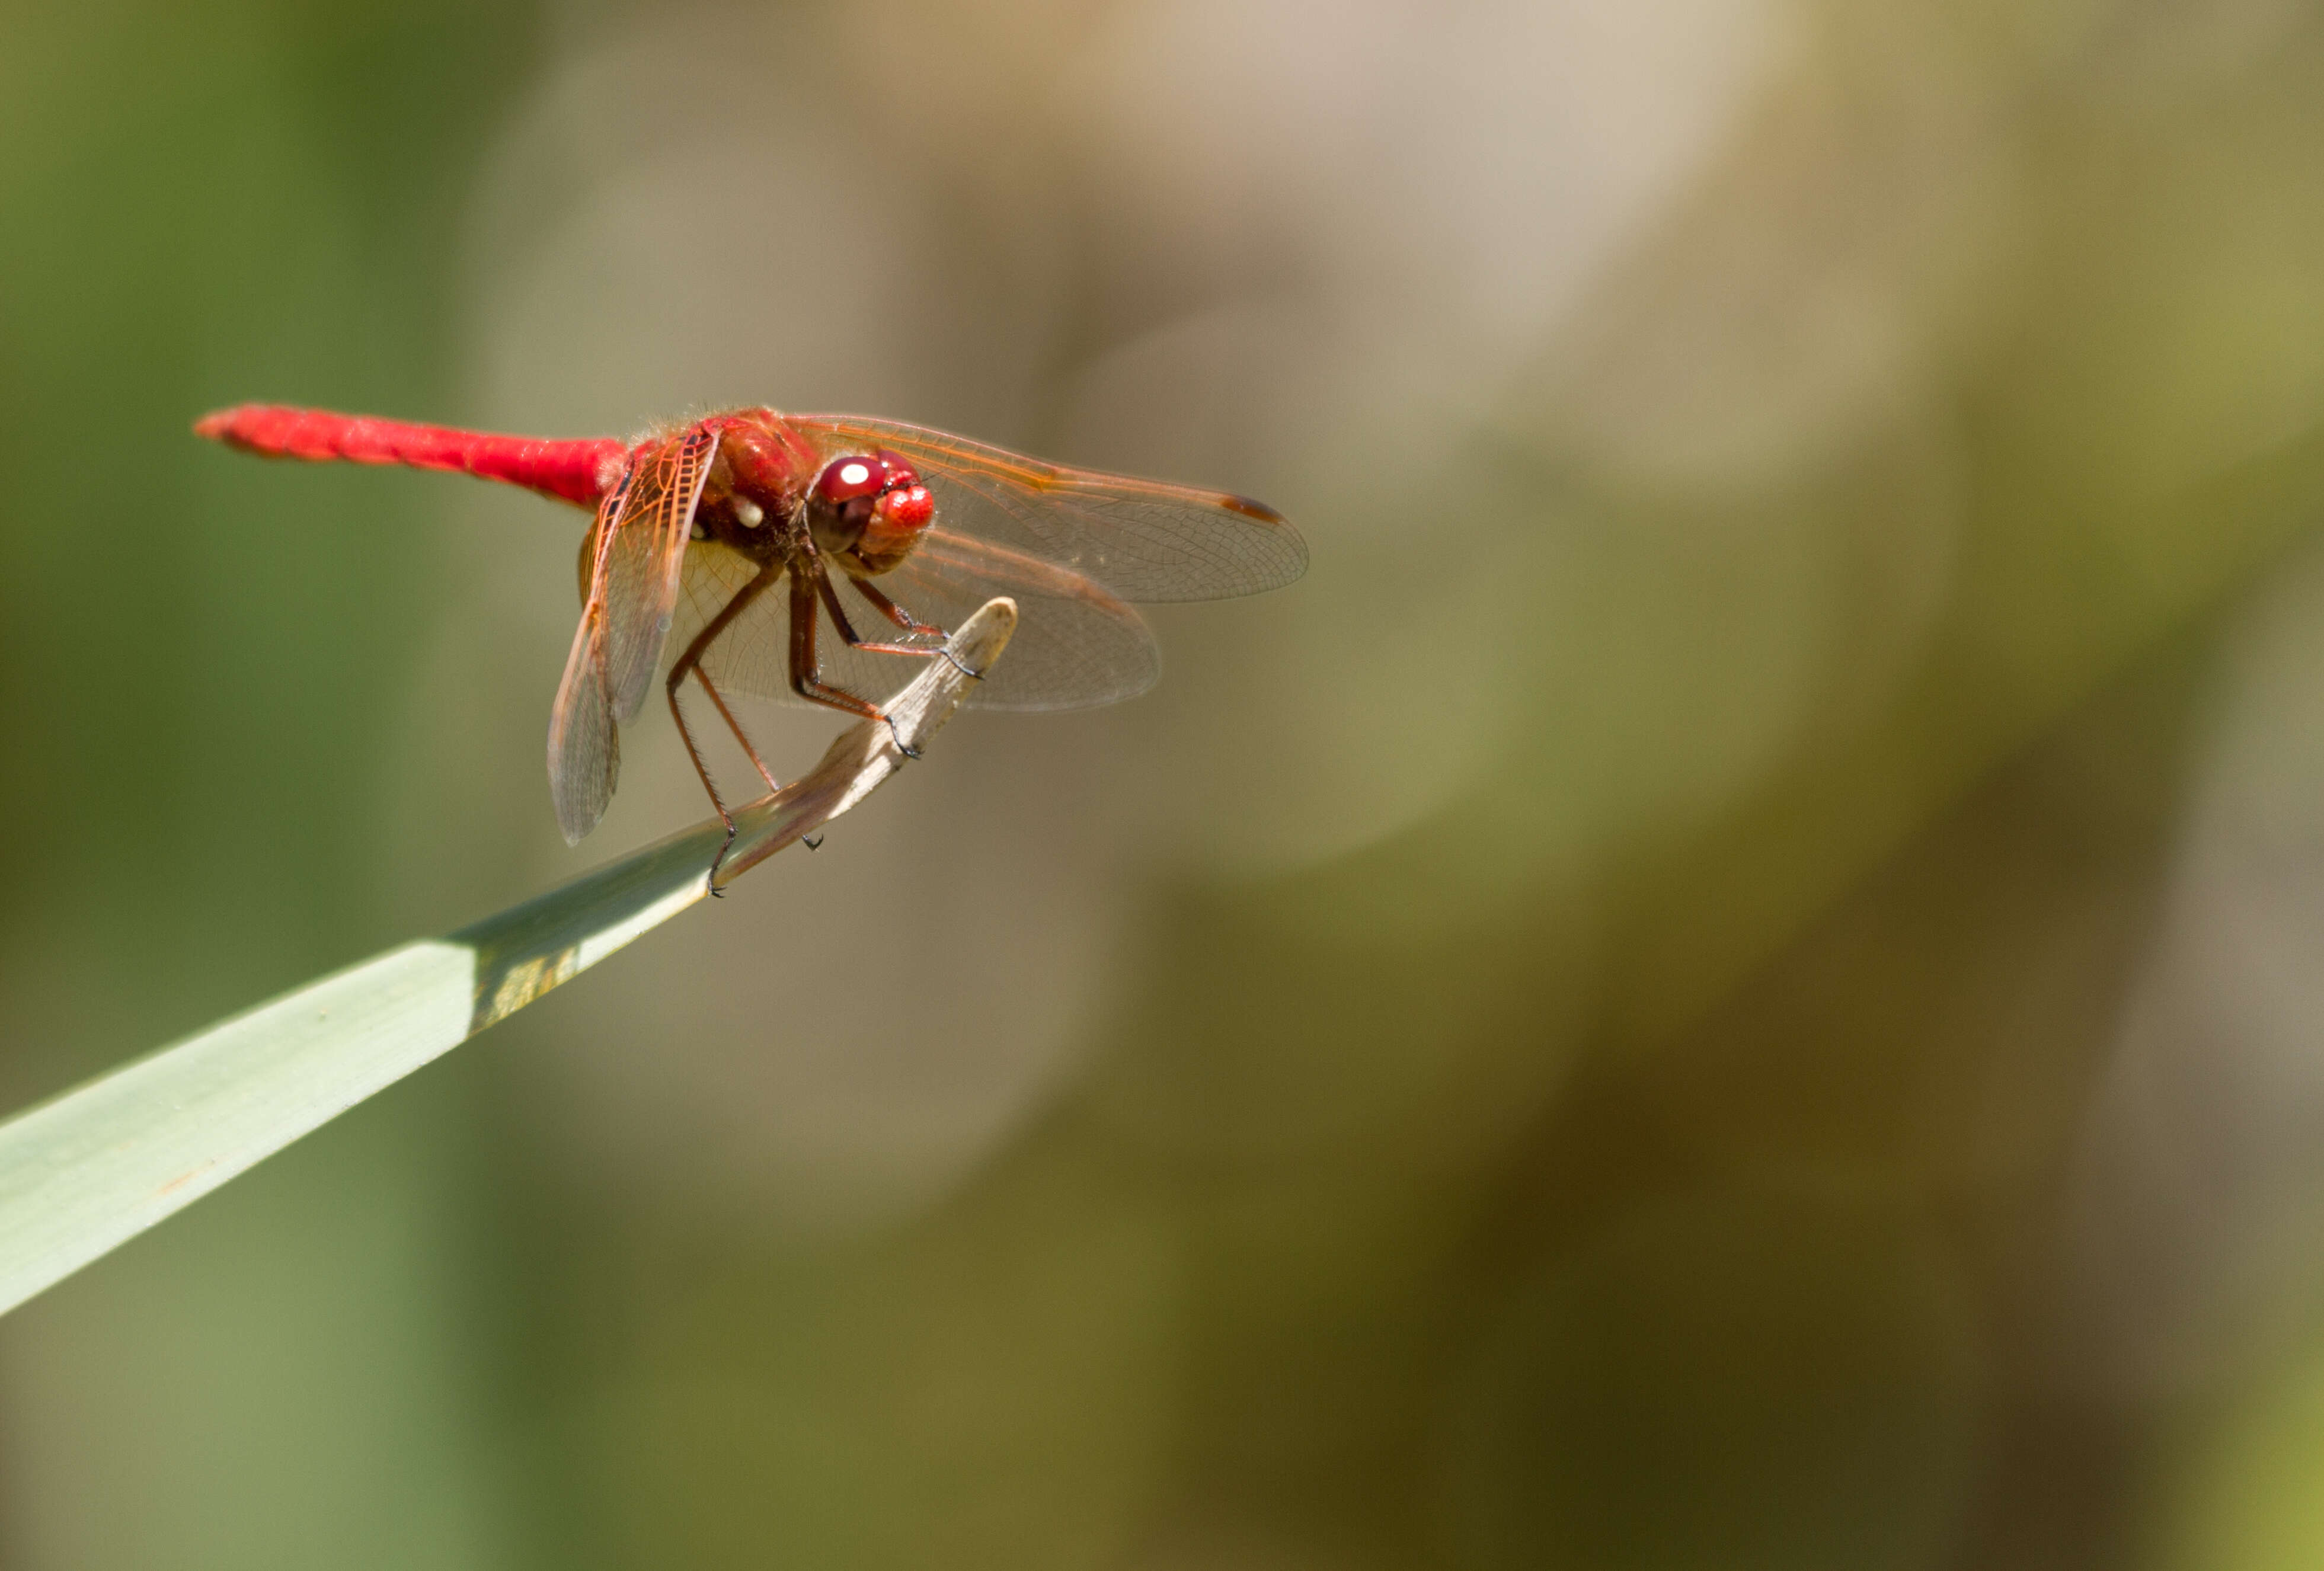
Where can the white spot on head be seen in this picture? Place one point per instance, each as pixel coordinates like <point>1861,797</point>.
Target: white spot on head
<point>748,511</point>
<point>854,473</point>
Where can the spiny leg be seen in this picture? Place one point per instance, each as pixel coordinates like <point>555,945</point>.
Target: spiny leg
<point>691,661</point>
<point>894,612</point>
<point>735,726</point>
<point>830,594</point>
<point>910,623</point>
<point>806,670</point>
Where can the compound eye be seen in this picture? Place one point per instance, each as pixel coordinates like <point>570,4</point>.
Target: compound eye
<point>843,480</point>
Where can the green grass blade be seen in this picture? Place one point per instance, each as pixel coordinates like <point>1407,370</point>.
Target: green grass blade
<point>96,1166</point>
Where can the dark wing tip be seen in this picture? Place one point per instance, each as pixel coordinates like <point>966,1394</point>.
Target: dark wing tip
<point>1281,537</point>
<point>1281,534</point>
<point>1251,508</point>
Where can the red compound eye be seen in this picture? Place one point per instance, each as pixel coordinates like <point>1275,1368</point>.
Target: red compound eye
<point>869,506</point>
<point>843,480</point>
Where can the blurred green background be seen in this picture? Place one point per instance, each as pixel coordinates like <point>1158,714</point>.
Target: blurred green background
<point>1733,981</point>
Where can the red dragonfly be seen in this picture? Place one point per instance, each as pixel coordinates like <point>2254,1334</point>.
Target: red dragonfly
<point>736,538</point>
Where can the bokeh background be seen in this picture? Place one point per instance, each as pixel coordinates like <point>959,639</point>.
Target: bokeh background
<point>1735,980</point>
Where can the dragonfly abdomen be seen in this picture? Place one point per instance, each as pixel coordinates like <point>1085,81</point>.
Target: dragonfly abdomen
<point>577,470</point>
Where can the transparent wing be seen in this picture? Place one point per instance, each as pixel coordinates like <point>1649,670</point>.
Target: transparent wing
<point>585,746</point>
<point>1076,645</point>
<point>1142,539</point>
<point>629,600</point>
<point>636,579</point>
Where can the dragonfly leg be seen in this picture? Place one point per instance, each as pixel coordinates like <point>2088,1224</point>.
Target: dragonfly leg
<point>894,612</point>
<point>737,727</point>
<point>806,669</point>
<point>824,587</point>
<point>910,624</point>
<point>903,619</point>
<point>690,664</point>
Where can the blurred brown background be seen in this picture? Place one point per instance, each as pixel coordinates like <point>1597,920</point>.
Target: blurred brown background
<point>1733,981</point>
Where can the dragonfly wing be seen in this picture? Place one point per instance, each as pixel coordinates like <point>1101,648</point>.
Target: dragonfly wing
<point>749,656</point>
<point>1142,539</point>
<point>1076,645</point>
<point>585,746</point>
<point>635,584</point>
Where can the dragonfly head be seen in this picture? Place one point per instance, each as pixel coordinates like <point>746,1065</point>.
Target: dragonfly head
<point>869,510</point>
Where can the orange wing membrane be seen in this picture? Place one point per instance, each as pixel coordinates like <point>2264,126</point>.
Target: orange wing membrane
<point>640,537</point>
<point>638,563</point>
<point>1141,539</point>
<point>585,748</point>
